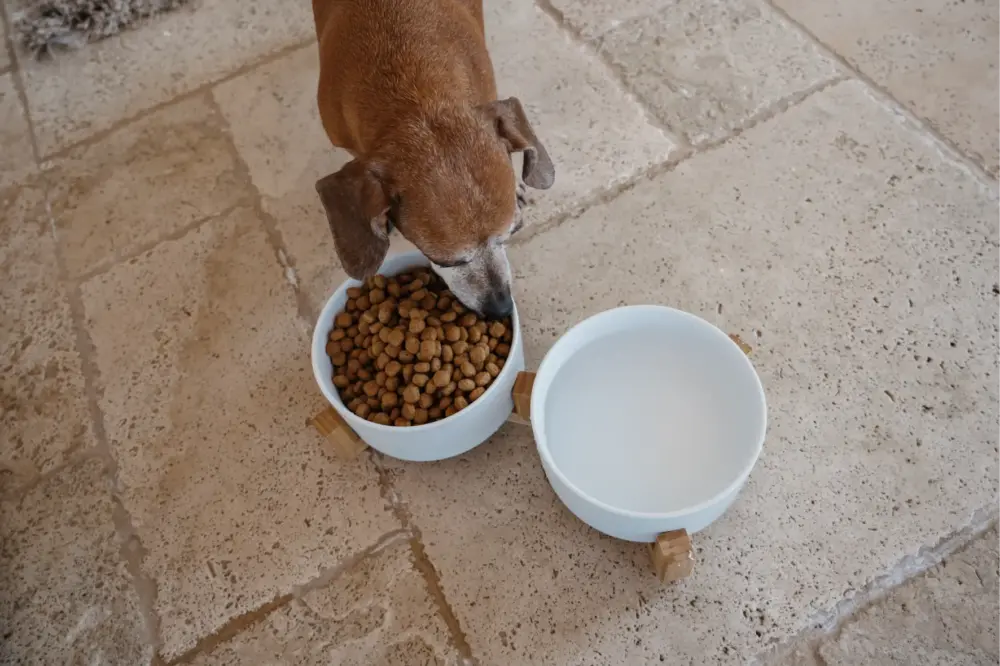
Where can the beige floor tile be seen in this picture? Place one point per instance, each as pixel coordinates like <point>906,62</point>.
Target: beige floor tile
<point>4,57</point>
<point>377,612</point>
<point>937,58</point>
<point>803,654</point>
<point>865,282</point>
<point>276,128</point>
<point>67,598</point>
<point>142,183</point>
<point>17,161</point>
<point>43,412</point>
<point>593,18</point>
<point>83,92</point>
<point>206,387</point>
<point>596,135</point>
<point>947,617</point>
<point>706,68</point>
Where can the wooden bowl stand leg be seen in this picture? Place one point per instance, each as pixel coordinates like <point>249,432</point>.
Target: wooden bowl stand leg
<point>671,553</point>
<point>672,556</point>
<point>340,439</point>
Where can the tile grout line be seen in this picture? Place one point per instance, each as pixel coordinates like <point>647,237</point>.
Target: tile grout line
<point>99,135</point>
<point>615,72</point>
<point>329,575</point>
<point>922,124</point>
<point>131,550</point>
<point>607,195</point>
<point>827,624</point>
<point>432,581</point>
<point>237,625</point>
<point>105,266</point>
<point>6,41</point>
<point>233,627</point>
<point>422,562</point>
<point>683,148</point>
<point>274,239</point>
<point>18,79</point>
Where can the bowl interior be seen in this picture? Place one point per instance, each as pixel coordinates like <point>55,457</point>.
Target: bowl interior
<point>649,410</point>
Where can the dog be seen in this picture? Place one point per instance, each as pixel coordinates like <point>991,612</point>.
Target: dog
<point>407,88</point>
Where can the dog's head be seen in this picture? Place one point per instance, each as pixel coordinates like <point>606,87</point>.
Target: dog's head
<point>446,183</point>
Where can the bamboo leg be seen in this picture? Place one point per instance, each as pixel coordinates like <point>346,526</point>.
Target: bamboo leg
<point>522,397</point>
<point>341,440</point>
<point>672,556</point>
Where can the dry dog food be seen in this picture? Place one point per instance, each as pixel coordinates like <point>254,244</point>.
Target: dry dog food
<point>406,352</point>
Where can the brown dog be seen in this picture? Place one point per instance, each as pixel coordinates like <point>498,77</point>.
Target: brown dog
<point>406,86</point>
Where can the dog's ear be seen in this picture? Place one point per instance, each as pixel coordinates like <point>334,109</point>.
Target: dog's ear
<point>513,128</point>
<point>357,208</point>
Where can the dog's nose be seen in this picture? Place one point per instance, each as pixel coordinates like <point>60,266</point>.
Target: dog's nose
<point>498,305</point>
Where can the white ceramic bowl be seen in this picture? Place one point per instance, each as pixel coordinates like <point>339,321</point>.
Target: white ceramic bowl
<point>433,441</point>
<point>647,419</point>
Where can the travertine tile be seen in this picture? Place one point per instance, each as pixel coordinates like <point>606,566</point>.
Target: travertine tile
<point>206,388</point>
<point>596,135</point>
<point>16,159</point>
<point>67,597</point>
<point>593,18</point>
<point>4,57</point>
<point>706,68</point>
<point>866,284</point>
<point>377,612</point>
<point>43,412</point>
<point>86,91</point>
<point>937,58</point>
<point>947,617</point>
<point>276,127</point>
<point>142,183</point>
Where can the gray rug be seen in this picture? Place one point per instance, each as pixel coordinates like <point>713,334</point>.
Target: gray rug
<point>44,26</point>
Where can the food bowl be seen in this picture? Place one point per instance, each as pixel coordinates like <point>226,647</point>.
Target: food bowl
<point>647,420</point>
<point>438,440</point>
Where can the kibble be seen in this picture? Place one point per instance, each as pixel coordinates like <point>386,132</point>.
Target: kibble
<point>406,352</point>
<point>478,355</point>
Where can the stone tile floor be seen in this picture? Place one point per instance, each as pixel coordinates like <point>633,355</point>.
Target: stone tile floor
<point>820,178</point>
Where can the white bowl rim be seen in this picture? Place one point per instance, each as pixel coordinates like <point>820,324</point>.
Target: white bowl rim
<point>541,444</point>
<point>326,383</point>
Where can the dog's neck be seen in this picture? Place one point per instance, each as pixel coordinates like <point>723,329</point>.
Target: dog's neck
<point>427,133</point>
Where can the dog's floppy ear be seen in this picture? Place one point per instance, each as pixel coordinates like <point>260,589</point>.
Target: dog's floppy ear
<point>514,130</point>
<point>357,208</point>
